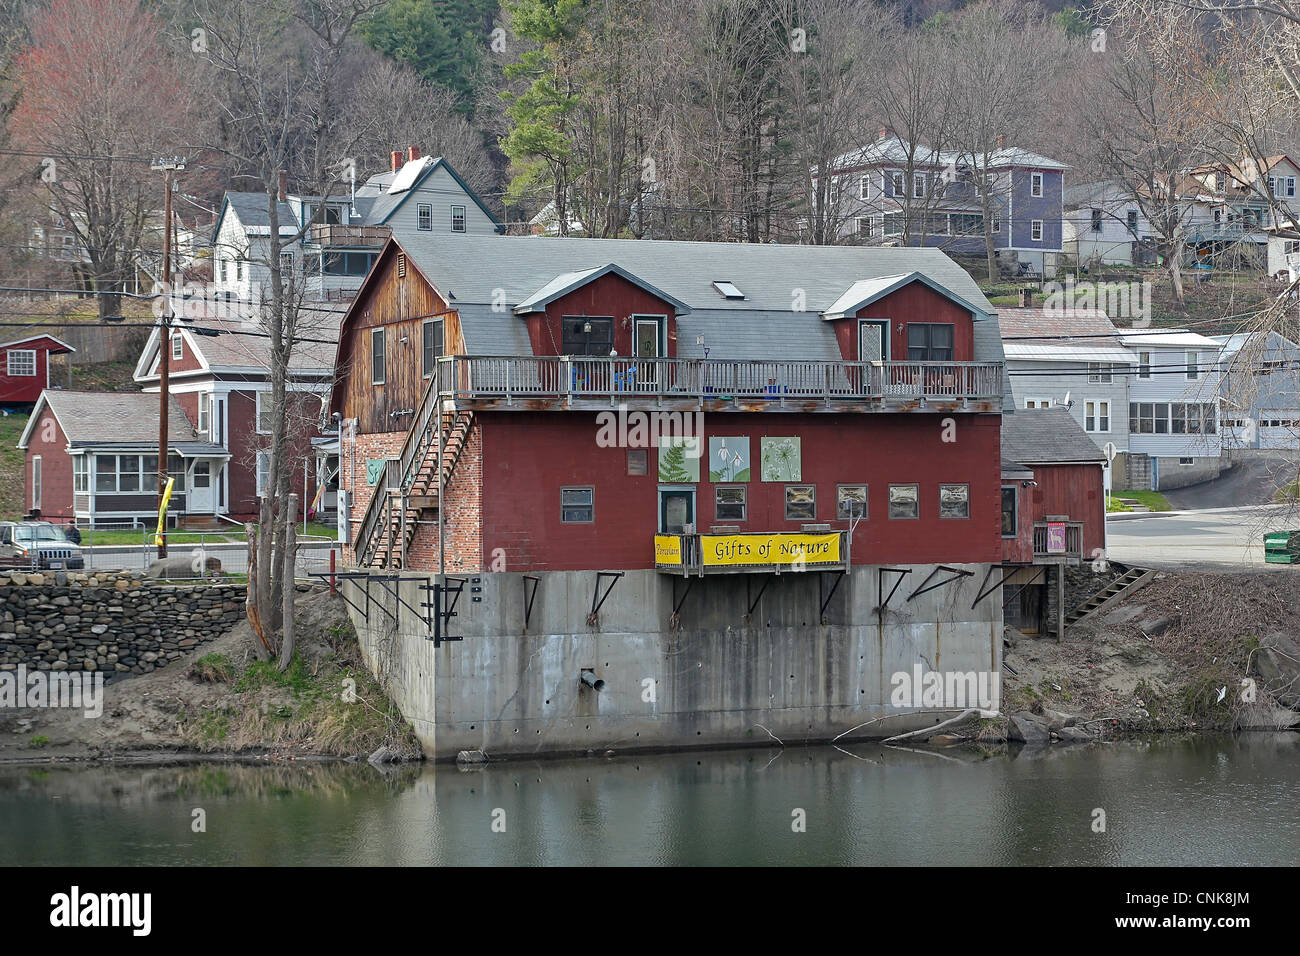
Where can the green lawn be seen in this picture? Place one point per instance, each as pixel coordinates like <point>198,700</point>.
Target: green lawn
<point>1154,500</point>
<point>1116,505</point>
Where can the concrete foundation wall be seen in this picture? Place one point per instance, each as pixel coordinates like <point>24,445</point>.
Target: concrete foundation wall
<point>710,682</point>
<point>1170,474</point>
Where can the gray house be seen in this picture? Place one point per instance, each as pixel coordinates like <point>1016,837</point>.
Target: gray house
<point>890,188</point>
<point>1260,391</point>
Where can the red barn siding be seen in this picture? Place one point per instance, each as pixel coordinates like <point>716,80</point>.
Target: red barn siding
<point>916,302</point>
<point>1075,491</point>
<point>524,468</point>
<point>56,468</point>
<point>26,389</point>
<point>610,295</point>
<point>1020,549</point>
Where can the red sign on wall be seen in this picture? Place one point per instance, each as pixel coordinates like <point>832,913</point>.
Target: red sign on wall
<point>1056,537</point>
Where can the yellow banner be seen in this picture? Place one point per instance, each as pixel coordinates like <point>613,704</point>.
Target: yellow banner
<point>668,549</point>
<point>771,549</point>
<point>162,511</point>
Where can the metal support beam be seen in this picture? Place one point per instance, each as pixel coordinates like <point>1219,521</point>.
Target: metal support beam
<point>957,574</point>
<point>757,597</point>
<point>1016,593</point>
<point>839,576</point>
<point>986,591</point>
<point>598,599</point>
<point>674,619</point>
<point>880,588</point>
<point>528,596</point>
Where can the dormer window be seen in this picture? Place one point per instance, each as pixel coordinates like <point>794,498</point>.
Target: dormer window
<point>727,289</point>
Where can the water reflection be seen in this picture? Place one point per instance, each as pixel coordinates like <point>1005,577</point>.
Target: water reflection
<point>1173,802</point>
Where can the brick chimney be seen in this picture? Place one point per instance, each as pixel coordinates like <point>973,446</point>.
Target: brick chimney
<point>1002,140</point>
<point>284,186</point>
<point>396,157</point>
<point>884,131</point>
<point>412,153</point>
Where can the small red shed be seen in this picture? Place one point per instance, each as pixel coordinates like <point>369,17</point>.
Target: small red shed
<point>25,368</point>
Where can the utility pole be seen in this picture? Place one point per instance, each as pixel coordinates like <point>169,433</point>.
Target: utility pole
<point>169,168</point>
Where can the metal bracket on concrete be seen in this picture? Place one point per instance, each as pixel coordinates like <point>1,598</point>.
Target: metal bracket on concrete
<point>757,597</point>
<point>529,595</point>
<point>388,585</point>
<point>839,576</point>
<point>348,576</point>
<point>880,588</point>
<point>439,619</point>
<point>674,620</point>
<point>985,591</point>
<point>957,574</point>
<point>596,605</point>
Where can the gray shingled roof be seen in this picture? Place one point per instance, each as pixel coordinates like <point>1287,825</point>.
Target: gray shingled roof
<point>1046,436</point>
<point>107,418</point>
<point>469,271</point>
<point>251,210</point>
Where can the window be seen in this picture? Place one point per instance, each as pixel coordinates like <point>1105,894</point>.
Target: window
<point>1186,461</point>
<point>264,420</point>
<point>1008,511</point>
<point>966,223</point>
<point>800,502</point>
<point>954,501</point>
<point>929,342</point>
<point>1035,184</point>
<point>80,474</point>
<point>637,461</point>
<point>904,501</point>
<point>1161,416</point>
<point>727,289</point>
<point>205,413</point>
<point>128,473</point>
<point>1289,192</point>
<point>457,218</point>
<point>997,224</point>
<point>431,345</point>
<point>864,188</point>
<point>263,472</point>
<point>133,474</point>
<point>577,505</point>
<point>1096,416</point>
<point>377,357</point>
<point>1038,403</point>
<point>286,264</point>
<point>424,217</point>
<point>106,473</point>
<point>587,335</point>
<point>729,503</point>
<point>36,482</point>
<point>346,263</point>
<point>1096,220</point>
<point>850,501</point>
<point>918,185</point>
<point>1131,220</point>
<point>1193,372</point>
<point>1144,365</point>
<point>178,347</point>
<point>896,181</point>
<point>1099,372</point>
<point>1036,230</point>
<point>864,224</point>
<point>22,362</point>
<point>401,265</point>
<point>239,269</point>
<point>332,215</point>
<point>892,224</point>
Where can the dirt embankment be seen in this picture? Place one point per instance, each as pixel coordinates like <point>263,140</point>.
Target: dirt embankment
<point>1189,652</point>
<point>222,701</point>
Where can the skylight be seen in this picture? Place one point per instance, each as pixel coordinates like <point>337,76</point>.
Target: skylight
<point>727,289</point>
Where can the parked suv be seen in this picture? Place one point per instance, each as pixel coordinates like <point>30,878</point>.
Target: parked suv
<point>38,544</point>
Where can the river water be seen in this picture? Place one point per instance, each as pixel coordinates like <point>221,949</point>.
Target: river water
<point>1208,800</point>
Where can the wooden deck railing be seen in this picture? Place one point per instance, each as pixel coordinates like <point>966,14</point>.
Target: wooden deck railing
<point>615,378</point>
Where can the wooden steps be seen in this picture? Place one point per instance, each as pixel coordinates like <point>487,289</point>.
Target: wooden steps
<point>1113,593</point>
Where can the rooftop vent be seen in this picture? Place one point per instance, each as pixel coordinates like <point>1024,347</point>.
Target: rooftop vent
<point>727,289</point>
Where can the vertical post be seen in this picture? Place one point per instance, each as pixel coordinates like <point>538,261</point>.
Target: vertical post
<point>165,351</point>
<point>1060,604</point>
<point>333,582</point>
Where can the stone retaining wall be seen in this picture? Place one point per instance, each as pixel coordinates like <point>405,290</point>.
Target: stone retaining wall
<point>116,622</point>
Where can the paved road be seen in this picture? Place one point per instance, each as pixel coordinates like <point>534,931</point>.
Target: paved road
<point>1251,481</point>
<point>1221,538</point>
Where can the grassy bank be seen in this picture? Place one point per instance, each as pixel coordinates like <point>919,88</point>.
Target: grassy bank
<point>13,465</point>
<point>1153,500</point>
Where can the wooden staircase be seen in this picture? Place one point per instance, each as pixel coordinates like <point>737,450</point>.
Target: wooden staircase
<point>1118,589</point>
<point>388,527</point>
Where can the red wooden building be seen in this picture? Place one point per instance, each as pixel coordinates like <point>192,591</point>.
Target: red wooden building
<point>25,368</point>
<point>857,394</point>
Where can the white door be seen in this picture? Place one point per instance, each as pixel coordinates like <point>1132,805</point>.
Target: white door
<point>872,347</point>
<point>201,499</point>
<point>646,345</point>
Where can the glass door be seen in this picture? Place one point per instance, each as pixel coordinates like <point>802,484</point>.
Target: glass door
<point>676,510</point>
<point>647,344</point>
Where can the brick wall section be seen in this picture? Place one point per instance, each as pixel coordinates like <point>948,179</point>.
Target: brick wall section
<point>48,441</point>
<point>352,475</point>
<point>463,517</point>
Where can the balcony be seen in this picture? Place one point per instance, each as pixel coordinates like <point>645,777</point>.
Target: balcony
<point>762,552</point>
<point>1058,542</point>
<point>555,382</point>
<point>334,235</point>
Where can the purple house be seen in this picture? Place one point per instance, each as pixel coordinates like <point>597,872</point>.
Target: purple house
<point>891,191</point>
